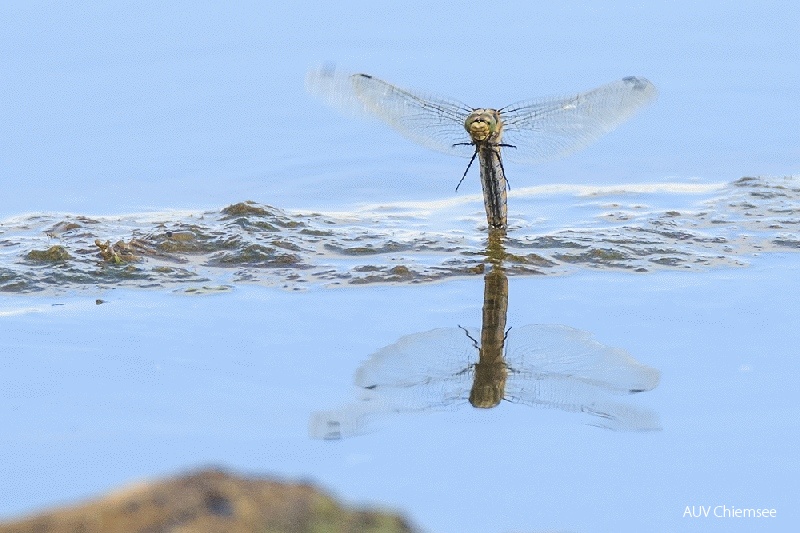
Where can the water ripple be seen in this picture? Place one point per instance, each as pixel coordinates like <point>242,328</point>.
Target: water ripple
<point>554,230</point>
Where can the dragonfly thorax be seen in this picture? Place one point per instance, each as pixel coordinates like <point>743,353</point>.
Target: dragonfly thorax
<point>484,125</point>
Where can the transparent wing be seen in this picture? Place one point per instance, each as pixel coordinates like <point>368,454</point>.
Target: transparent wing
<point>547,129</point>
<point>556,392</point>
<point>420,372</point>
<point>539,351</point>
<point>422,369</point>
<point>560,367</point>
<point>435,123</point>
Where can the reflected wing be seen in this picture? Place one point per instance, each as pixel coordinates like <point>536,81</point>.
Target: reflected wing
<point>419,372</point>
<point>564,368</point>
<point>565,394</point>
<point>550,351</point>
<point>423,370</point>
<point>347,421</point>
<point>547,129</point>
<point>432,122</point>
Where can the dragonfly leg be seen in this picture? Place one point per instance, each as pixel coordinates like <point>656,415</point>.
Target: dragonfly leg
<point>500,160</point>
<point>474,342</point>
<point>504,145</point>
<point>469,165</point>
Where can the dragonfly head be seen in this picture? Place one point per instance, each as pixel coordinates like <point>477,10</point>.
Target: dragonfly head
<point>484,125</point>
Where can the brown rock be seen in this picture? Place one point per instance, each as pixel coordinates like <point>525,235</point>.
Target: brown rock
<point>211,501</point>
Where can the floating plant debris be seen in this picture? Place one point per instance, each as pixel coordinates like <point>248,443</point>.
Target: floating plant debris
<point>636,228</point>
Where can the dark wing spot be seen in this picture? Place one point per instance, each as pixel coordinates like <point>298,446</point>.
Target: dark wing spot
<point>639,84</point>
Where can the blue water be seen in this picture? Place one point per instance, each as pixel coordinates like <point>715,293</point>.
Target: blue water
<point>116,110</point>
<point>152,383</point>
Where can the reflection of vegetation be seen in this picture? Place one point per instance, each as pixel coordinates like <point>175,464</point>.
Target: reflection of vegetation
<point>539,365</point>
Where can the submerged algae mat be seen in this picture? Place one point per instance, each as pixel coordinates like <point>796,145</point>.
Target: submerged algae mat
<point>555,230</point>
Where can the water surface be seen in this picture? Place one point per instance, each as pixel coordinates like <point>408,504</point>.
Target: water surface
<point>152,320</point>
<point>109,381</point>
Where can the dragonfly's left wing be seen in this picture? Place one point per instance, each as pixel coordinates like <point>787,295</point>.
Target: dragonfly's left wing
<point>567,353</point>
<point>435,123</point>
<point>556,392</point>
<point>564,368</point>
<point>542,130</point>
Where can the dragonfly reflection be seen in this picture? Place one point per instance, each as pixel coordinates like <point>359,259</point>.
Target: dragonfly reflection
<point>544,365</point>
<point>535,131</point>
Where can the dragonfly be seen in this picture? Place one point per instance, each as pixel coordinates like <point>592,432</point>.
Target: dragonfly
<point>540,365</point>
<point>528,132</point>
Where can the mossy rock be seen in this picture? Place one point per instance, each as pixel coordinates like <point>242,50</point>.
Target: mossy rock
<point>213,500</point>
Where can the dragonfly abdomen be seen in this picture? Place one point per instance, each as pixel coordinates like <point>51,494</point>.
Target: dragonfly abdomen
<point>493,181</point>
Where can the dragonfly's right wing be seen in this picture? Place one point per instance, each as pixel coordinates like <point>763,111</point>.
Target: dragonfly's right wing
<point>420,372</point>
<point>435,123</point>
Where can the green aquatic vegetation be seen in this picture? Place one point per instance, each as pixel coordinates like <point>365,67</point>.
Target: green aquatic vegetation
<point>786,243</point>
<point>254,243</point>
<point>368,249</point>
<point>207,289</point>
<point>117,253</point>
<point>367,268</point>
<point>251,209</point>
<point>645,252</point>
<point>246,208</point>
<point>400,270</point>
<point>545,242</point>
<point>316,232</point>
<point>596,256</point>
<point>384,274</point>
<point>668,261</point>
<point>177,273</point>
<point>61,228</point>
<point>768,194</point>
<point>53,254</point>
<point>11,281</point>
<point>254,225</point>
<point>256,255</point>
<point>530,259</point>
<point>193,239</point>
<point>746,181</point>
<point>287,245</point>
